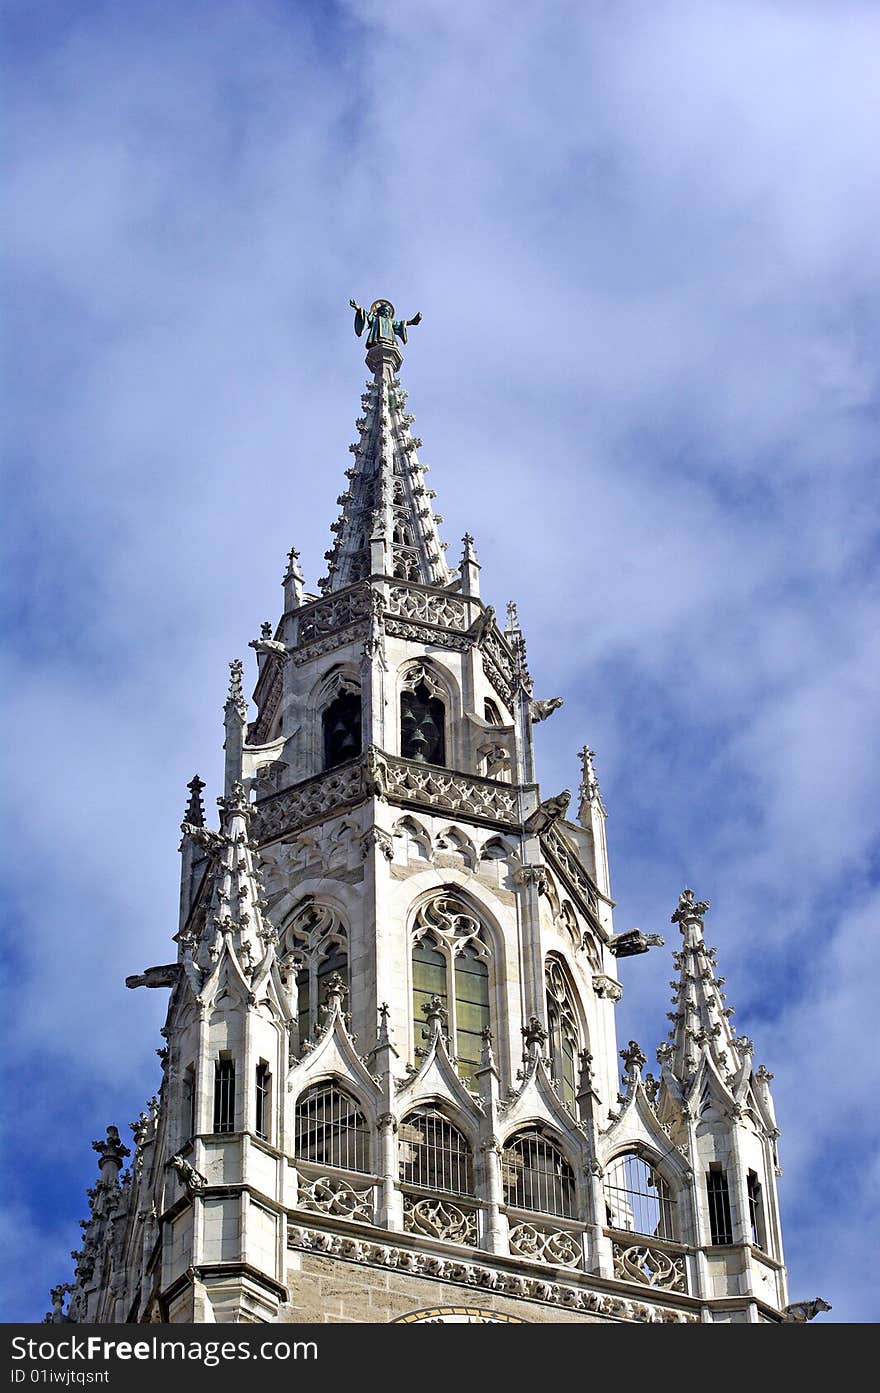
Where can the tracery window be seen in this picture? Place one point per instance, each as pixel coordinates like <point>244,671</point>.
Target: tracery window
<point>434,1154</point>
<point>315,944</point>
<point>450,960</point>
<point>341,725</point>
<point>564,1036</point>
<point>330,1128</point>
<point>422,718</point>
<point>536,1175</point>
<point>637,1198</point>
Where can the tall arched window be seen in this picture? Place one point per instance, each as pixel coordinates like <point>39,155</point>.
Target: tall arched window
<point>315,944</point>
<point>434,1154</point>
<point>637,1198</point>
<point>341,723</point>
<point>536,1175</point>
<point>450,960</point>
<point>422,719</point>
<point>330,1128</point>
<point>564,1036</point>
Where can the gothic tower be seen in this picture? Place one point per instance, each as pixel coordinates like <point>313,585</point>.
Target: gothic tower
<point>390,1078</point>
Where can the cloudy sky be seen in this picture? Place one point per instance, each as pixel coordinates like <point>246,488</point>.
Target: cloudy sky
<point>644,241</point>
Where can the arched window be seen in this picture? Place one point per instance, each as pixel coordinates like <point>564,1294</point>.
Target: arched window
<point>491,713</point>
<point>536,1175</point>
<point>315,942</point>
<point>331,1130</point>
<point>450,961</point>
<point>564,1037</point>
<point>422,720</point>
<point>341,722</point>
<point>637,1198</point>
<point>434,1154</point>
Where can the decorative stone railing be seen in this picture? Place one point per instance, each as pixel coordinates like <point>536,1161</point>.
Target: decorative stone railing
<point>464,794</point>
<point>541,1242</point>
<point>427,606</point>
<point>565,861</point>
<point>312,799</point>
<point>650,1263</point>
<point>436,1216</point>
<point>326,616</point>
<point>344,1197</point>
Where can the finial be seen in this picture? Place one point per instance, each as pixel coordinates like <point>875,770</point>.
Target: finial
<point>633,1058</point>
<point>534,1036</point>
<point>265,629</point>
<point>111,1151</point>
<point>435,1017</point>
<point>512,618</point>
<point>236,801</point>
<point>235,699</point>
<point>195,808</point>
<point>487,1056</point>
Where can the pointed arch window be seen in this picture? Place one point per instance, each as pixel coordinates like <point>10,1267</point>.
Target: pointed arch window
<point>638,1199</point>
<point>434,1154</point>
<point>315,946</point>
<point>422,719</point>
<point>536,1175</point>
<point>450,960</point>
<point>330,1128</point>
<point>564,1036</point>
<point>341,725</point>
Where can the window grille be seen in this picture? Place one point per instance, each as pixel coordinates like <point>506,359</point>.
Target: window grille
<point>422,726</point>
<point>637,1198</point>
<point>720,1225</point>
<point>434,1154</point>
<point>331,1129</point>
<point>263,1081</point>
<point>224,1095</point>
<point>756,1210</point>
<point>341,723</point>
<point>189,1100</point>
<point>537,1176</point>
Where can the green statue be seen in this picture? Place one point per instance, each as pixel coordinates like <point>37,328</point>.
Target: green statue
<point>380,324</point>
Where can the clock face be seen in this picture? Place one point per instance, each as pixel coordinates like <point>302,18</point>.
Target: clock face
<point>456,1315</point>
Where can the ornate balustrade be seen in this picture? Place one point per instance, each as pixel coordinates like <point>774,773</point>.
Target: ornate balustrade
<point>343,1194</point>
<point>463,794</point>
<point>453,1218</point>
<point>540,1240</point>
<point>307,801</point>
<point>648,1261</point>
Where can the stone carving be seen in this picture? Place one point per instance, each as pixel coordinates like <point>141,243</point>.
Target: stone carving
<point>651,1266</point>
<point>633,941</point>
<point>799,1312</point>
<point>192,1179</point>
<point>605,986</point>
<point>458,792</point>
<point>472,1274</point>
<point>442,610</point>
<point>447,918</point>
<point>445,638</point>
<point>689,909</point>
<point>548,812</point>
<point>328,1195</point>
<point>569,867</point>
<point>439,1219</point>
<point>540,710</point>
<point>556,1246</point>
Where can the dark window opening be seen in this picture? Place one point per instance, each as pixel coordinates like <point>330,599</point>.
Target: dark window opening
<point>756,1211</point>
<point>261,1120</point>
<point>422,721</point>
<point>342,729</point>
<point>224,1095</point>
<point>720,1226</point>
<point>491,713</point>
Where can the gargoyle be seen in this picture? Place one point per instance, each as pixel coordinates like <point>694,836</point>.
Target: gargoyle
<point>799,1312</point>
<point>627,945</point>
<point>164,976</point>
<point>540,710</point>
<point>548,812</point>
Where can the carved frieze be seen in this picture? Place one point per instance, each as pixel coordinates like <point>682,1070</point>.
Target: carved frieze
<point>419,633</point>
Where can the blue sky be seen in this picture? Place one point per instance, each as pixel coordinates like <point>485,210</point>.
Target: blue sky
<point>643,239</point>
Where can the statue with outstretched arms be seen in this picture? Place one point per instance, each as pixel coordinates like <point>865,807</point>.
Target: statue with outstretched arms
<point>380,324</point>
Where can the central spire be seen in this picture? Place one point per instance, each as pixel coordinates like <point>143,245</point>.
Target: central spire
<point>387,525</point>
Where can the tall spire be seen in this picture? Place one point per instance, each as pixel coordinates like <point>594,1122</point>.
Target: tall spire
<point>387,525</point>
<point>700,1020</point>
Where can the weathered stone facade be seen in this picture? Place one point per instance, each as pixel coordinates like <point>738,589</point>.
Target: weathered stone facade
<point>390,1074</point>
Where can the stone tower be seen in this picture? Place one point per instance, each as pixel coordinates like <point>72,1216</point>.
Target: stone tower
<point>390,1079</point>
